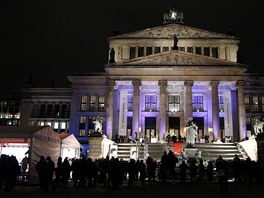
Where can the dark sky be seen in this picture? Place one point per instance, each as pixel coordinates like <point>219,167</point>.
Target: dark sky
<point>51,39</point>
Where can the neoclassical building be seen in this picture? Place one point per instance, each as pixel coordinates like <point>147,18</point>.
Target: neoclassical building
<point>159,78</point>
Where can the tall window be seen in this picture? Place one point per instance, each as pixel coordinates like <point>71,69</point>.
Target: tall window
<point>148,51</point>
<point>165,49</point>
<point>255,104</point>
<point>82,126</point>
<point>156,50</point>
<point>140,51</point>
<point>215,52</point>
<point>206,51</point>
<point>262,103</point>
<point>83,103</point>
<point>42,110</point>
<point>182,49</point>
<point>247,104</point>
<point>174,103</point>
<point>57,110</point>
<point>190,49</point>
<point>49,111</point>
<point>92,103</point>
<point>221,104</point>
<point>198,50</point>
<point>101,103</point>
<point>132,52</point>
<point>151,103</point>
<point>129,102</point>
<point>197,103</point>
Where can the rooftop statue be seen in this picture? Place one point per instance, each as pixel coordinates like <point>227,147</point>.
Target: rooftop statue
<point>174,16</point>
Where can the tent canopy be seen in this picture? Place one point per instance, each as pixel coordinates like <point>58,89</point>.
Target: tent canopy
<point>42,140</point>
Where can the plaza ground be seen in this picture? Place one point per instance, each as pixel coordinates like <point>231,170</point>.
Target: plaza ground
<point>196,190</point>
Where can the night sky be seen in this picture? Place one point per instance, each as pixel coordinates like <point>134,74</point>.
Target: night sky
<point>51,39</point>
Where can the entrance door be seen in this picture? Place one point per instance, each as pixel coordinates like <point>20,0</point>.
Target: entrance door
<point>199,121</point>
<point>222,127</point>
<point>174,126</point>
<point>150,128</point>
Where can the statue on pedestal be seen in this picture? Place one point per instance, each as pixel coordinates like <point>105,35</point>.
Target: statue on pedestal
<point>191,133</point>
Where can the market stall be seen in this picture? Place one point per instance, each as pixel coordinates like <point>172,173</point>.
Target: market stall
<point>33,141</point>
<point>70,146</point>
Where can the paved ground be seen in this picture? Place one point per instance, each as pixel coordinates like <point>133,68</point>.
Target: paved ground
<point>199,190</point>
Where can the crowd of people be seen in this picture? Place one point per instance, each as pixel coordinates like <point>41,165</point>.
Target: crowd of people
<point>9,171</point>
<point>111,173</point>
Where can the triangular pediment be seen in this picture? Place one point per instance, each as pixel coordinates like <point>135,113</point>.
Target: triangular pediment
<point>177,58</point>
<point>172,29</point>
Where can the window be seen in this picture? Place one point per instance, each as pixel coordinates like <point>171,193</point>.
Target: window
<point>247,104</point>
<point>206,51</point>
<point>129,102</point>
<point>82,120</point>
<point>149,51</point>
<point>101,103</point>
<point>221,104</point>
<point>255,104</point>
<point>174,103</point>
<point>83,103</point>
<point>63,125</point>
<point>156,50</point>
<point>198,50</point>
<point>197,103</point>
<point>132,52</point>
<point>82,126</point>
<point>42,110</point>
<point>57,110</point>
<point>81,132</point>
<point>182,49</point>
<point>56,125</point>
<point>92,103</point>
<point>140,51</point>
<point>165,49</point>
<point>190,49</point>
<point>215,52</point>
<point>90,125</point>
<point>262,103</point>
<point>151,103</point>
<point>49,110</point>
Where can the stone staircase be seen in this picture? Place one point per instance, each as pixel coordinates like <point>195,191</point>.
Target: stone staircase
<point>209,151</point>
<point>213,151</point>
<point>154,150</point>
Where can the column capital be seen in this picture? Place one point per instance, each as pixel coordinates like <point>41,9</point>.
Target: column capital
<point>136,82</point>
<point>110,83</point>
<point>240,83</point>
<point>214,83</point>
<point>188,83</point>
<point>163,82</point>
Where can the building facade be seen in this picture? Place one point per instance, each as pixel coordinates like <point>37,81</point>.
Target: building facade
<point>46,106</point>
<point>159,78</point>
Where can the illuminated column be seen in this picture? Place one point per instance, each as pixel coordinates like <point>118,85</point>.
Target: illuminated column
<point>241,110</point>
<point>188,100</point>
<point>110,108</point>
<point>162,109</point>
<point>136,106</point>
<point>215,109</point>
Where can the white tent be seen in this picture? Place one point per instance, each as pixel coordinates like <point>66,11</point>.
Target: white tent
<point>35,139</point>
<point>70,146</point>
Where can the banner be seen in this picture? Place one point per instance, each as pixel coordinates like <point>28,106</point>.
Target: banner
<point>228,113</point>
<point>123,113</point>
